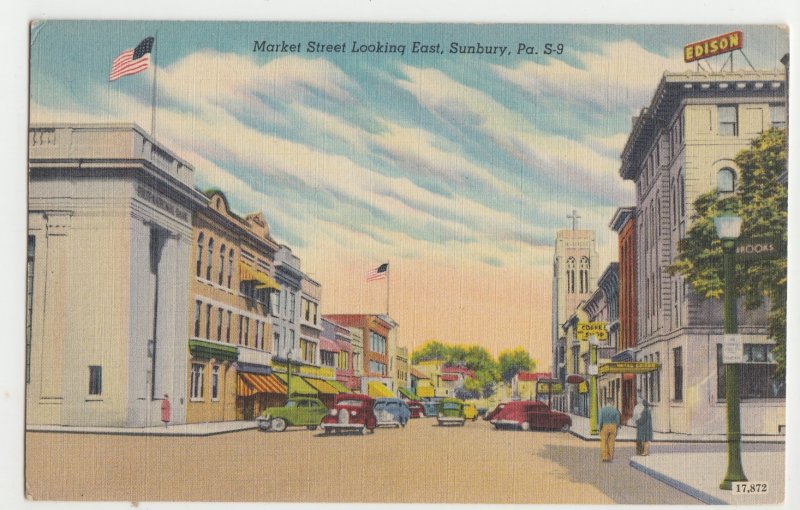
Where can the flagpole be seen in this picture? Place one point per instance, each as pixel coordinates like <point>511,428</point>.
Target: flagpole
<point>155,88</point>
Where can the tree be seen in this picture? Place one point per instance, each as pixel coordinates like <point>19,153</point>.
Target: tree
<point>432,349</point>
<point>512,362</point>
<point>761,201</point>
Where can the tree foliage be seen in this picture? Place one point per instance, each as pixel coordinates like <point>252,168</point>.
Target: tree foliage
<point>514,361</point>
<point>761,201</point>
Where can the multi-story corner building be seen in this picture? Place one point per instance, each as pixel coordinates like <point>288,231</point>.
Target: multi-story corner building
<point>574,279</point>
<point>230,318</point>
<point>682,145</point>
<point>575,398</point>
<point>109,238</point>
<point>377,332</point>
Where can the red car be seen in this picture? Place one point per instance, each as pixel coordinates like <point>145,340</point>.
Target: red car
<point>350,411</point>
<point>512,414</point>
<point>540,416</point>
<point>417,409</point>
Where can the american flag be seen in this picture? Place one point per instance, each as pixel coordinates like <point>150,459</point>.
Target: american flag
<point>132,61</point>
<point>378,273</point>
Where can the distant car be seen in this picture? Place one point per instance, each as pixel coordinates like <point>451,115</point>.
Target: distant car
<point>350,411</point>
<point>451,411</point>
<point>470,412</point>
<point>391,411</point>
<point>540,416</point>
<point>297,412</point>
<point>416,408</point>
<point>511,415</point>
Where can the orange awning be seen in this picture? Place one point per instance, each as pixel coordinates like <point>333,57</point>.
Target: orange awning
<point>250,384</point>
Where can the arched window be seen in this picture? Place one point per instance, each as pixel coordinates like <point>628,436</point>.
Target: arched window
<point>230,268</point>
<point>584,274</point>
<point>726,180</point>
<point>571,275</point>
<point>199,261</point>
<point>221,264</point>
<point>210,258</point>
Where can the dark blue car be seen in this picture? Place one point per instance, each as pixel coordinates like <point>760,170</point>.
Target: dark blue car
<point>392,411</point>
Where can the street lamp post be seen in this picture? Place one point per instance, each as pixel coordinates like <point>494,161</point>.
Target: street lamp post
<point>728,228</point>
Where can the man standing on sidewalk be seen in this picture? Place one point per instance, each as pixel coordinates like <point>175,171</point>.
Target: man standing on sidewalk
<point>608,421</point>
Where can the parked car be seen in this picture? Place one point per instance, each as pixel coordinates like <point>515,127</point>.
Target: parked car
<point>511,414</point>
<point>540,416</point>
<point>350,411</point>
<point>489,416</point>
<point>297,412</point>
<point>470,412</point>
<point>451,411</point>
<point>416,408</point>
<point>431,406</point>
<point>392,411</point>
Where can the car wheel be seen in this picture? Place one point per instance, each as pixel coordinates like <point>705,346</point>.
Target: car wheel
<point>565,427</point>
<point>326,431</point>
<point>525,425</point>
<point>278,424</point>
<point>474,418</point>
<point>463,422</point>
<point>364,430</point>
<point>312,427</point>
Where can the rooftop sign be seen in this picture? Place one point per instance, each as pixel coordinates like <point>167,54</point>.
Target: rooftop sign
<point>718,45</point>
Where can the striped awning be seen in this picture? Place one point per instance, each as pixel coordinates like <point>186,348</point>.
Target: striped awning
<point>264,281</point>
<point>321,386</point>
<point>250,384</point>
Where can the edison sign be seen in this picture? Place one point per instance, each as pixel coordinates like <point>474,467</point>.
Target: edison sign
<point>718,45</point>
<point>587,329</point>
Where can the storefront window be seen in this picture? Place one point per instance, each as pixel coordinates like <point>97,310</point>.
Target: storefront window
<point>757,374</point>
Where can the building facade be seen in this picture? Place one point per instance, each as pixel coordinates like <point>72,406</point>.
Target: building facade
<point>109,238</point>
<point>377,332</point>
<point>230,319</point>
<point>574,279</point>
<point>682,145</point>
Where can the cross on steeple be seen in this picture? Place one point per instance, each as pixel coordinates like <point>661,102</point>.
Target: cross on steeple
<point>574,217</point>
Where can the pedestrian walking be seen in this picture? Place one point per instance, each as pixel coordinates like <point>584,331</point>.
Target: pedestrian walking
<point>608,421</point>
<point>637,413</point>
<point>644,429</point>
<point>166,410</point>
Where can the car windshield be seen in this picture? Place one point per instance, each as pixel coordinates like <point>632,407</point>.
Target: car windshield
<point>451,405</point>
<point>350,402</point>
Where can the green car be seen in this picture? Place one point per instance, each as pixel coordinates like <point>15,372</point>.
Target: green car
<point>451,411</point>
<point>297,412</point>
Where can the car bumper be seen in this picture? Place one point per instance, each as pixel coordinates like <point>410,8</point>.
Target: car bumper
<point>510,423</point>
<point>346,426</point>
<point>450,419</point>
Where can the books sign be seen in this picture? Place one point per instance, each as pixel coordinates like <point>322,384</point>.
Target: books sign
<point>732,349</point>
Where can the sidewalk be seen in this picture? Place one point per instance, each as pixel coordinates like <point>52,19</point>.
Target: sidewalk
<point>190,429</point>
<point>580,428</point>
<point>699,473</point>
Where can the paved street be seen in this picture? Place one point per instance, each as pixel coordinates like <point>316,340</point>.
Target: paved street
<point>421,463</point>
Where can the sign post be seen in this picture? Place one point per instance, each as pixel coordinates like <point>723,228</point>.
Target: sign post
<point>593,428</point>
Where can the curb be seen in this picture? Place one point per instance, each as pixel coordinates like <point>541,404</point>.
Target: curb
<point>135,432</point>
<point>686,489</point>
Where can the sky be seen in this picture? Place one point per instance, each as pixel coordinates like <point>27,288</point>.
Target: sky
<point>457,169</point>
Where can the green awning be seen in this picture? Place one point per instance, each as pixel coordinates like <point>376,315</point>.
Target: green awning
<point>408,394</point>
<point>340,387</point>
<point>212,350</point>
<point>298,385</point>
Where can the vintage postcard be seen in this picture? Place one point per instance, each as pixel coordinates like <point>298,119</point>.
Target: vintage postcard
<point>406,263</point>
